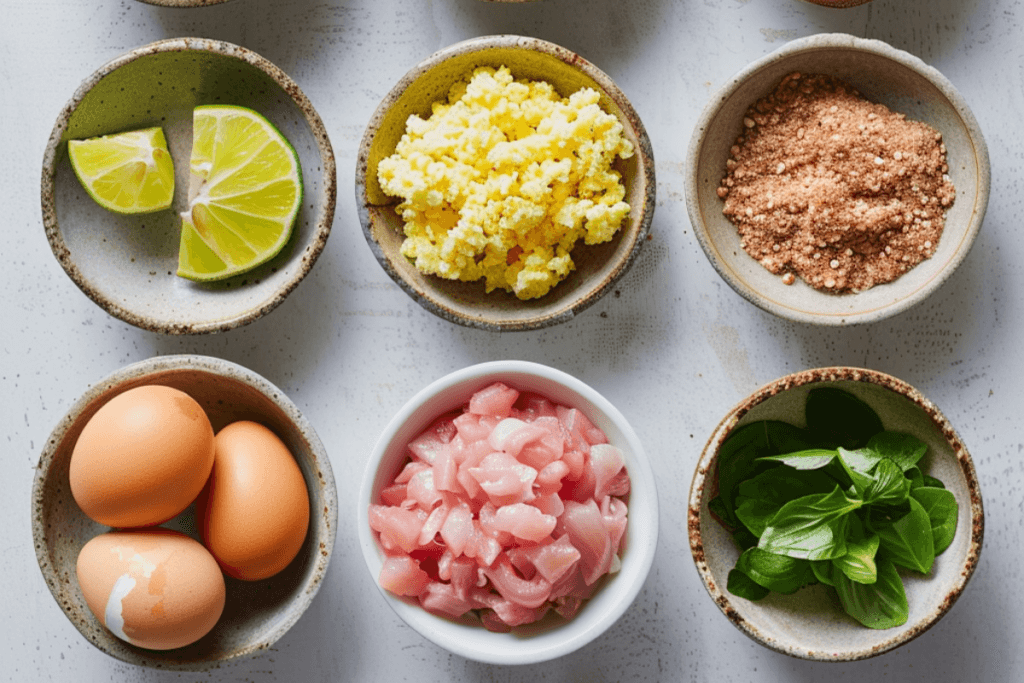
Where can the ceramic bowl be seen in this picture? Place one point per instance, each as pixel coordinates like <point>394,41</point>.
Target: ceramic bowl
<point>882,74</point>
<point>551,637</point>
<point>128,264</point>
<point>597,267</point>
<point>183,3</point>
<point>810,623</point>
<point>257,613</point>
<point>838,4</point>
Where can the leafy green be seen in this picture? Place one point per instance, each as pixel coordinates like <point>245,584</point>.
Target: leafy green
<point>823,570</point>
<point>858,564</point>
<point>811,528</point>
<point>882,604</point>
<point>838,418</point>
<point>888,485</point>
<point>741,585</point>
<point>761,497</point>
<point>810,459</point>
<point>942,510</point>
<point>902,449</point>
<point>775,572</point>
<point>908,540</point>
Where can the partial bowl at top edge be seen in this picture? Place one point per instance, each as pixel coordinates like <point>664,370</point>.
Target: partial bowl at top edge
<point>127,264</point>
<point>882,74</point>
<point>183,3</point>
<point>811,624</point>
<point>257,613</point>
<point>552,637</point>
<point>598,267</point>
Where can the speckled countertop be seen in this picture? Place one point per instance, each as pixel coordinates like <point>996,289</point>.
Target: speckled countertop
<point>674,347</point>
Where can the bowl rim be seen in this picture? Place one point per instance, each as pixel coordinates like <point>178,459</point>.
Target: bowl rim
<point>820,43</point>
<point>707,466</point>
<point>643,151</point>
<point>639,561</point>
<point>320,232</point>
<point>328,517</point>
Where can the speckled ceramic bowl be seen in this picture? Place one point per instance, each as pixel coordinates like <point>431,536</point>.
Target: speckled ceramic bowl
<point>127,264</point>
<point>882,74</point>
<point>551,637</point>
<point>597,267</point>
<point>257,613</point>
<point>183,3</point>
<point>838,4</point>
<point>810,623</point>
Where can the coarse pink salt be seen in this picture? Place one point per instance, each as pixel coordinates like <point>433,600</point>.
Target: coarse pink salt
<point>512,508</point>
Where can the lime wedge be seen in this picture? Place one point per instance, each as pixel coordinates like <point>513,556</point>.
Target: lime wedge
<point>244,194</point>
<point>128,172</point>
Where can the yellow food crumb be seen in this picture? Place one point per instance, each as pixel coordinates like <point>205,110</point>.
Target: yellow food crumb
<point>503,179</point>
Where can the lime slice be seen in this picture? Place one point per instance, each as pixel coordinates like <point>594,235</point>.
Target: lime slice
<point>245,191</point>
<point>128,172</point>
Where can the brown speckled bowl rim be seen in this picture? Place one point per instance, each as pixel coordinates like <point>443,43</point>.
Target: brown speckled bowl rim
<point>704,476</point>
<point>326,519</point>
<point>309,255</point>
<point>833,4</point>
<point>825,42</point>
<point>631,120</point>
<point>183,3</point>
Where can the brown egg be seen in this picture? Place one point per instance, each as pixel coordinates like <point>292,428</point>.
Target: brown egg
<point>254,512</point>
<point>153,588</point>
<point>142,458</point>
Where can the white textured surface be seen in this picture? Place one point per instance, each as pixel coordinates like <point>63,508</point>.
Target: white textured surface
<point>673,350</point>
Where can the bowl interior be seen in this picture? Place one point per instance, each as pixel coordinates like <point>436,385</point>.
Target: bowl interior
<point>597,267</point>
<point>884,75</point>
<point>811,623</point>
<point>256,613</point>
<point>128,264</point>
<point>552,637</point>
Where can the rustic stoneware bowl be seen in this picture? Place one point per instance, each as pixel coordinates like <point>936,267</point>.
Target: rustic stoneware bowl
<point>551,637</point>
<point>810,624</point>
<point>257,613</point>
<point>183,3</point>
<point>128,264</point>
<point>838,4</point>
<point>882,74</point>
<point>597,267</point>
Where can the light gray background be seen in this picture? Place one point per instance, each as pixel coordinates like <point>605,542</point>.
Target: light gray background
<point>673,347</point>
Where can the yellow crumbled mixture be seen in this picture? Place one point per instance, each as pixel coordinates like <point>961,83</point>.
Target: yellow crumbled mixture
<point>503,179</point>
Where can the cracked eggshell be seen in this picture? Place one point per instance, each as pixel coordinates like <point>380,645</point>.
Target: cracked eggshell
<point>156,589</point>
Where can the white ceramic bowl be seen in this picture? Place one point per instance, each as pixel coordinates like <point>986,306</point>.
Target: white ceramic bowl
<point>810,624</point>
<point>554,637</point>
<point>127,264</point>
<point>882,74</point>
<point>256,613</point>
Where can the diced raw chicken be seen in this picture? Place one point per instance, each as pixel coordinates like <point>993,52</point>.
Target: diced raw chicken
<point>403,576</point>
<point>496,400</point>
<point>607,462</point>
<point>397,526</point>
<point>421,489</point>
<point>584,525</point>
<point>504,479</point>
<point>524,521</point>
<point>516,589</point>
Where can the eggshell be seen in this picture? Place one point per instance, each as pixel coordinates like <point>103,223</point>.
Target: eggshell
<point>255,509</point>
<point>142,458</point>
<point>153,588</point>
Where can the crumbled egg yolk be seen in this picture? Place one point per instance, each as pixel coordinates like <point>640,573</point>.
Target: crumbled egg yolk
<point>502,180</point>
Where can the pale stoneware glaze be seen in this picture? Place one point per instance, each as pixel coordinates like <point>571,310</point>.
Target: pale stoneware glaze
<point>597,267</point>
<point>183,3</point>
<point>882,74</point>
<point>128,264</point>
<point>551,637</point>
<point>838,4</point>
<point>257,613</point>
<point>810,624</point>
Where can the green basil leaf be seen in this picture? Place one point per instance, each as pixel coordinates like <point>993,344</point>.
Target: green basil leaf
<point>858,564</point>
<point>785,438</point>
<point>741,585</point>
<point>760,498</point>
<point>882,604</point>
<point>888,485</point>
<point>744,539</point>
<point>811,528</point>
<point>718,508</point>
<point>915,477</point>
<point>942,510</point>
<point>858,481</point>
<point>838,418</point>
<point>932,482</point>
<point>737,461</point>
<point>908,540</point>
<point>811,459</point>
<point>775,572</point>
<point>903,449</point>
<point>823,570</point>
<point>861,460</point>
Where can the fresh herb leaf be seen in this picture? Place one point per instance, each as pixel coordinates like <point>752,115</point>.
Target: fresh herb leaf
<point>858,564</point>
<point>823,571</point>
<point>888,485</point>
<point>915,476</point>
<point>811,459</point>
<point>942,510</point>
<point>741,585</point>
<point>932,482</point>
<point>837,418</point>
<point>775,572</point>
<point>744,539</point>
<point>736,462</point>
<point>903,449</point>
<point>882,604</point>
<point>760,498</point>
<point>811,528</point>
<point>860,460</point>
<point>908,539</point>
